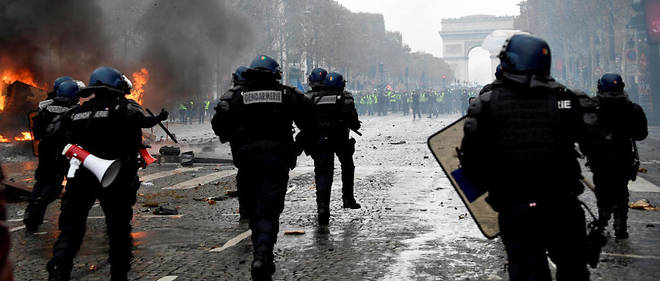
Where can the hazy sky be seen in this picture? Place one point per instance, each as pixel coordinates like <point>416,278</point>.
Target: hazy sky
<point>419,20</point>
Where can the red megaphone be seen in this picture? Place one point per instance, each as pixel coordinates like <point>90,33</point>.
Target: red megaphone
<point>148,159</point>
<point>105,170</point>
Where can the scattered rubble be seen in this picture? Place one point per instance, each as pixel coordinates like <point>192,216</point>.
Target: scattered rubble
<point>643,204</point>
<point>165,211</point>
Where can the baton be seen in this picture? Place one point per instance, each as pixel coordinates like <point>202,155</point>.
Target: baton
<point>163,127</point>
<point>356,131</point>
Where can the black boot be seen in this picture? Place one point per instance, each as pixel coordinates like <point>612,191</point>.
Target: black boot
<point>350,203</point>
<point>263,267</point>
<point>34,216</point>
<point>57,272</point>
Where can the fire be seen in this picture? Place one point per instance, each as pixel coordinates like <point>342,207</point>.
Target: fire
<point>9,76</point>
<point>23,75</point>
<point>25,136</point>
<point>4,140</point>
<point>140,79</point>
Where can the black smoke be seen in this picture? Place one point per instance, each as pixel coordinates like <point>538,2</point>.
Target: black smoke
<point>50,38</point>
<point>189,46</point>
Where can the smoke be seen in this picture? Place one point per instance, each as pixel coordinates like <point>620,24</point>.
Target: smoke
<point>187,46</point>
<point>50,38</point>
<point>190,46</point>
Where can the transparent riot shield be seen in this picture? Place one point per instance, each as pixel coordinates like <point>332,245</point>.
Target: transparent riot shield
<point>444,145</point>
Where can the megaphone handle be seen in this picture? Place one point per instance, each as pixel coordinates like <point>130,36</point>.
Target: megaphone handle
<point>74,164</point>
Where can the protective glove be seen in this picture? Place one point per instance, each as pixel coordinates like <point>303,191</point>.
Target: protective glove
<point>162,116</point>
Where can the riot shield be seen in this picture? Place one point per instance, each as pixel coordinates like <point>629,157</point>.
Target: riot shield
<point>444,145</point>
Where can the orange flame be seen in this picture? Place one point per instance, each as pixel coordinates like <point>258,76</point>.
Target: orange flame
<point>140,79</point>
<point>2,102</point>
<point>23,75</point>
<point>4,140</point>
<point>25,136</point>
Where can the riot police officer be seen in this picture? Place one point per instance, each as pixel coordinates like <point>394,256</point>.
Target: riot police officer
<point>109,127</point>
<point>519,145</point>
<point>257,119</point>
<point>621,122</point>
<point>49,131</point>
<point>315,81</point>
<point>334,116</point>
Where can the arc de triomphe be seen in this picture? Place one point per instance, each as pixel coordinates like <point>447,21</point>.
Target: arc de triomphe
<point>461,35</point>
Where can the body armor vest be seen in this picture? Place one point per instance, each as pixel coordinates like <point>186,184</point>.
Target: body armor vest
<point>263,117</point>
<point>328,110</point>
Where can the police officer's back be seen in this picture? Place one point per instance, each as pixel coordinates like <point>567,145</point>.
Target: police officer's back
<point>257,119</point>
<point>621,123</point>
<point>109,127</point>
<point>334,116</point>
<point>49,131</point>
<point>519,144</point>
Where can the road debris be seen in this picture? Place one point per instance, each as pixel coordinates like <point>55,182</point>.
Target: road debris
<point>162,211</point>
<point>643,204</point>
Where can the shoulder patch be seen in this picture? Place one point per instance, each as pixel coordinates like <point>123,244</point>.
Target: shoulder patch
<point>266,96</point>
<point>228,94</point>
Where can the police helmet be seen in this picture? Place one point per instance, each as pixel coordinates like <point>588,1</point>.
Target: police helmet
<point>610,82</point>
<point>334,80</point>
<point>526,54</point>
<point>69,89</point>
<point>498,72</point>
<point>266,64</point>
<point>238,77</point>
<point>59,81</point>
<point>317,76</point>
<point>110,79</point>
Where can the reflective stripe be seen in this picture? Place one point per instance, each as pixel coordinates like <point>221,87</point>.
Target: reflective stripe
<point>57,109</point>
<point>82,115</point>
<point>327,99</point>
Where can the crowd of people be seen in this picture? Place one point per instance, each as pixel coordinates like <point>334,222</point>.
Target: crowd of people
<point>427,102</point>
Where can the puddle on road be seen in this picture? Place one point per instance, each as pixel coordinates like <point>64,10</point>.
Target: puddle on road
<point>445,245</point>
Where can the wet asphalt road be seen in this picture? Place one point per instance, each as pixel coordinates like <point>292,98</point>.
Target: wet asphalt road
<point>412,225</point>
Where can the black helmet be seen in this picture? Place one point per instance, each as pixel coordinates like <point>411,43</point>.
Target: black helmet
<point>610,82</point>
<point>526,54</point>
<point>317,77</point>
<point>266,64</point>
<point>498,72</point>
<point>69,89</point>
<point>334,80</point>
<point>59,81</point>
<point>110,79</point>
<point>238,77</point>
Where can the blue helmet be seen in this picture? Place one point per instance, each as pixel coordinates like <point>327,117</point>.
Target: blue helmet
<point>69,89</point>
<point>498,72</point>
<point>238,77</point>
<point>266,64</point>
<point>610,82</point>
<point>110,79</point>
<point>317,76</point>
<point>59,81</point>
<point>334,80</point>
<point>526,54</point>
